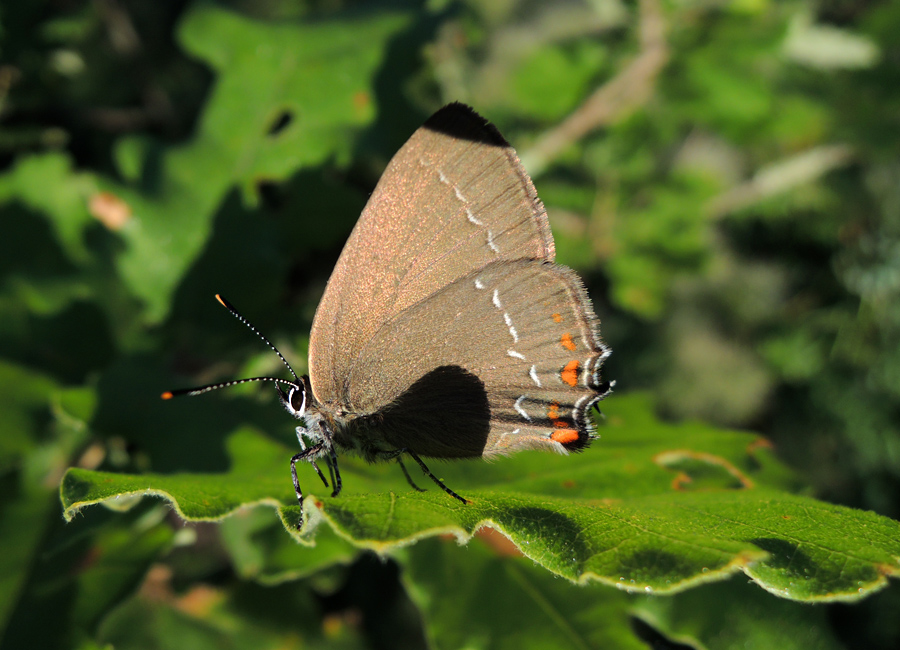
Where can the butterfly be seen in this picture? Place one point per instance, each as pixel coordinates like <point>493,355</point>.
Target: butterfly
<point>446,329</point>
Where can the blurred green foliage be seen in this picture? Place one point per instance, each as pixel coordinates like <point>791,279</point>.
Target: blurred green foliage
<point>724,174</point>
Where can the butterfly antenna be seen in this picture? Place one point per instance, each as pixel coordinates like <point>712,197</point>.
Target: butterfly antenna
<point>234,312</point>
<point>169,394</point>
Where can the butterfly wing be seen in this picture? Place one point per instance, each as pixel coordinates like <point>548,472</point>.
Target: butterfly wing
<point>452,200</point>
<point>502,359</point>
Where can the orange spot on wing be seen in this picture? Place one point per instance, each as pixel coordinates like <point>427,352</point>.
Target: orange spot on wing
<point>567,342</point>
<point>564,436</point>
<point>557,318</point>
<point>569,374</point>
<point>553,411</point>
<point>167,395</point>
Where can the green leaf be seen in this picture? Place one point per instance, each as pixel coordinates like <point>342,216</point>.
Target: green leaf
<point>484,596</point>
<point>80,572</point>
<point>319,74</point>
<point>473,598</point>
<point>210,617</point>
<point>196,497</point>
<point>121,558</point>
<point>264,70</point>
<point>22,523</point>
<point>552,80</point>
<point>23,395</point>
<point>652,507</point>
<point>66,206</point>
<point>261,551</point>
<point>734,614</point>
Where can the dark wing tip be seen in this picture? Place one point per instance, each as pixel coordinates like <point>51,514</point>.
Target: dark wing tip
<point>461,121</point>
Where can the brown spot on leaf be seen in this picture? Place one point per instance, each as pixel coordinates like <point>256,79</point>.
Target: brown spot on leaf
<point>109,210</point>
<point>500,543</point>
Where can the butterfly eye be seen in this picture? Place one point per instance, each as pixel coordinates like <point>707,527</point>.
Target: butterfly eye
<point>296,399</point>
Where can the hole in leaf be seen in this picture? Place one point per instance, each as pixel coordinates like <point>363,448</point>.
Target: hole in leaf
<point>281,122</point>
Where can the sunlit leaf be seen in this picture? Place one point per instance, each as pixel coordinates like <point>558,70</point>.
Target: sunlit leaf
<point>650,507</point>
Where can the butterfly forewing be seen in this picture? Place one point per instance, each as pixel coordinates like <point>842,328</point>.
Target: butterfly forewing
<point>453,200</point>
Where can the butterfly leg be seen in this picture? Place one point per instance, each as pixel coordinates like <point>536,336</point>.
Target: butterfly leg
<point>300,433</point>
<point>398,455</point>
<point>306,455</point>
<point>331,461</point>
<point>408,477</point>
<point>435,478</point>
<point>319,472</point>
